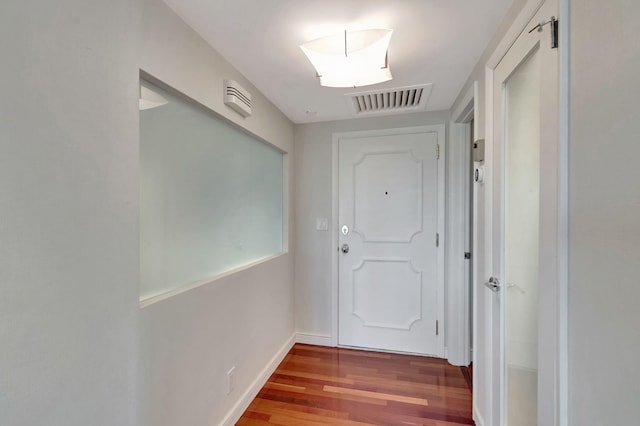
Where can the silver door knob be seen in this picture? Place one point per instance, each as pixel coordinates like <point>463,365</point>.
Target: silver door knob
<point>493,284</point>
<point>345,248</point>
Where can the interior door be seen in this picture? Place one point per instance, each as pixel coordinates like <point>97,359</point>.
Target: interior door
<point>390,208</point>
<point>524,226</point>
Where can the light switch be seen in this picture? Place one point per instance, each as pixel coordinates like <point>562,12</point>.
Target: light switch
<point>322,224</point>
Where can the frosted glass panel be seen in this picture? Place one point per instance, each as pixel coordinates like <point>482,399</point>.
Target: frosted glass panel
<point>210,195</point>
<point>522,211</point>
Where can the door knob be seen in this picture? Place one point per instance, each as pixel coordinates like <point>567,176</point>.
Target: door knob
<point>345,248</point>
<point>493,284</point>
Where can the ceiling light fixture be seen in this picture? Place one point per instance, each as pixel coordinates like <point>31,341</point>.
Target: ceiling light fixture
<point>352,59</point>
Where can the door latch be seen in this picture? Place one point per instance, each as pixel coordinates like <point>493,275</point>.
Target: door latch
<point>493,284</point>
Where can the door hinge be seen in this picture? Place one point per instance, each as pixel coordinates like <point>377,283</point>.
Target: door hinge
<point>437,151</point>
<point>553,25</point>
<point>554,33</point>
<point>437,328</point>
<point>437,239</point>
<point>467,255</point>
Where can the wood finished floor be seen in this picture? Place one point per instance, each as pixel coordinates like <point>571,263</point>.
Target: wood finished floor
<point>317,385</point>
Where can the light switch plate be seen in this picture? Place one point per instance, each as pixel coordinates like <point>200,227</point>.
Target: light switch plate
<point>322,224</point>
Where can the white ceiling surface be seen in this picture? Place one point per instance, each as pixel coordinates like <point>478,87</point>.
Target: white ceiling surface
<point>434,41</point>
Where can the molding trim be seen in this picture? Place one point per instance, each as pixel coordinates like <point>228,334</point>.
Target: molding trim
<point>458,220</point>
<point>239,407</point>
<point>477,417</point>
<point>315,339</point>
<point>464,111</point>
<point>457,288</point>
<point>517,27</point>
<point>562,384</point>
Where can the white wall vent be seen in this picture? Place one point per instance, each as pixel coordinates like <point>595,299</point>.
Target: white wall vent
<point>390,101</point>
<point>237,98</point>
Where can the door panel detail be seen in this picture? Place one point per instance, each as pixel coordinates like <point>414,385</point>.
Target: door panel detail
<point>375,282</point>
<point>388,197</point>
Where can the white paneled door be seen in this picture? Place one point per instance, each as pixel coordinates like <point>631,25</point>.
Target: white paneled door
<point>390,240</point>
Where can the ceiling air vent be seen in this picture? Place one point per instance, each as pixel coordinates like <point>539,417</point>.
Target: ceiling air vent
<point>391,101</point>
<point>237,98</point>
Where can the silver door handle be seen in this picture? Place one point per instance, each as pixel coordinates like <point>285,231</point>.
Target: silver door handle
<point>493,284</point>
<point>516,287</point>
<point>345,248</point>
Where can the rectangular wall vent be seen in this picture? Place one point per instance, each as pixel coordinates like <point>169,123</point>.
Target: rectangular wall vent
<point>391,101</point>
<point>237,98</point>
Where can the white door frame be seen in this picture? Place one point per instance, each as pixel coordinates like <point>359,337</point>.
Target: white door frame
<point>526,14</point>
<point>440,129</point>
<point>459,187</point>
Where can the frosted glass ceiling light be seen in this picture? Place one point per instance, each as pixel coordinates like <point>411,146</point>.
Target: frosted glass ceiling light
<point>352,59</point>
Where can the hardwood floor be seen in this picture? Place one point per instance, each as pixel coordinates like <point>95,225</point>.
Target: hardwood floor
<point>317,385</point>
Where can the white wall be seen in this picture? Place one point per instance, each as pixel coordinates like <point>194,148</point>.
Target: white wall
<point>604,289</point>
<point>71,329</point>
<point>68,213</point>
<point>190,341</point>
<point>313,159</point>
<point>173,53</point>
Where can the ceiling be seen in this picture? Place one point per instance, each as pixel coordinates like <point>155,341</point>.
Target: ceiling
<point>434,41</point>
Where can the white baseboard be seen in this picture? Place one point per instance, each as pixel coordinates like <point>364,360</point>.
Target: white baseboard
<point>239,408</point>
<point>477,418</point>
<point>315,339</point>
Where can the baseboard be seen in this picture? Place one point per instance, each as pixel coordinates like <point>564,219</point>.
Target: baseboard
<point>315,339</point>
<point>239,408</point>
<point>477,417</point>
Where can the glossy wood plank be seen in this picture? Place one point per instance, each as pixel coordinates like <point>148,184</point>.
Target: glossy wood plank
<point>319,386</point>
<point>376,395</point>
